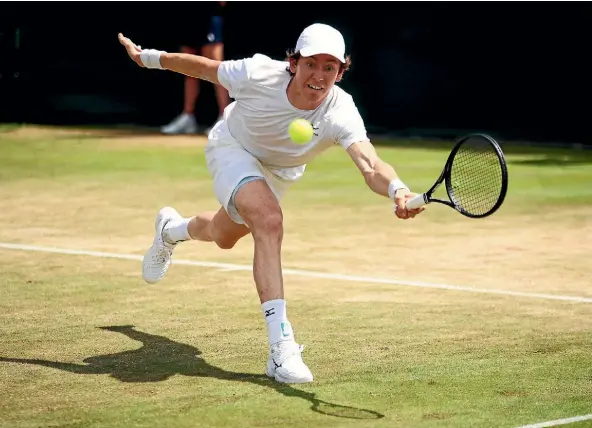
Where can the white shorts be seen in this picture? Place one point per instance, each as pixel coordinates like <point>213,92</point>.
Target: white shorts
<point>229,164</point>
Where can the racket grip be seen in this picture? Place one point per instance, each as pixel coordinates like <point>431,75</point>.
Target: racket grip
<point>416,202</point>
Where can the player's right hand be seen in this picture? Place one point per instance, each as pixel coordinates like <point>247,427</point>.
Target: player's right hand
<point>401,198</point>
<point>132,50</point>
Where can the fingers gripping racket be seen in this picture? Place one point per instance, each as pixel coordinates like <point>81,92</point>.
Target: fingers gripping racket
<point>475,177</point>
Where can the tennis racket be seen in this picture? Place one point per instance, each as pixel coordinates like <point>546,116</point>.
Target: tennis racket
<point>475,177</point>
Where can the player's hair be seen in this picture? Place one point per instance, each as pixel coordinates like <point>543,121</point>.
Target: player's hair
<point>343,67</point>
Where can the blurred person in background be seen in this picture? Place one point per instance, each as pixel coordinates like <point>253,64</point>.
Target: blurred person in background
<point>210,45</point>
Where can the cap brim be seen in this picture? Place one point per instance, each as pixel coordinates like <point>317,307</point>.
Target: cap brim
<point>310,51</point>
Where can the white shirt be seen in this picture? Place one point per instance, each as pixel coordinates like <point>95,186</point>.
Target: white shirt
<point>259,117</point>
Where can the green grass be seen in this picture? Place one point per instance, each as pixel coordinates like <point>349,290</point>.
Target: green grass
<point>545,177</point>
<point>85,343</point>
<point>73,158</point>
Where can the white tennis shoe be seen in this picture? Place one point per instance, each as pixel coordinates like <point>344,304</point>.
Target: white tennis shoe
<point>285,363</point>
<point>182,124</point>
<point>158,258</point>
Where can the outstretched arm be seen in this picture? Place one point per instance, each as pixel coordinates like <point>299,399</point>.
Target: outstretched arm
<point>381,177</point>
<point>189,65</point>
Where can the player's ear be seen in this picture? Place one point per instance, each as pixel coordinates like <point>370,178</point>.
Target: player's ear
<point>293,62</point>
<point>339,75</point>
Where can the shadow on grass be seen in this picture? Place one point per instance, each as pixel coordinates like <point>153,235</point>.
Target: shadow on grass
<point>160,358</point>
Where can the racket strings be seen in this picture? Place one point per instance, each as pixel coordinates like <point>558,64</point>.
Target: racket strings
<point>476,177</point>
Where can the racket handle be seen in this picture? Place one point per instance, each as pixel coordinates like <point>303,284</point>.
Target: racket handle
<point>416,202</point>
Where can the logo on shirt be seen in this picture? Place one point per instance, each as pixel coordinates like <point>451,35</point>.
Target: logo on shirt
<point>315,128</point>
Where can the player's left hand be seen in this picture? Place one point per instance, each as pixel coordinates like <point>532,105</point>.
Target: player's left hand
<point>132,49</point>
<point>401,198</point>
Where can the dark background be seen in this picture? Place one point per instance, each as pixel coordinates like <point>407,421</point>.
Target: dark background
<point>516,70</point>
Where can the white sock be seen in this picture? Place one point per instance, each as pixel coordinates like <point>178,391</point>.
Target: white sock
<point>176,231</point>
<point>278,326</point>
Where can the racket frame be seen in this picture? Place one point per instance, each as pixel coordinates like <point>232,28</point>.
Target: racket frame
<point>445,178</point>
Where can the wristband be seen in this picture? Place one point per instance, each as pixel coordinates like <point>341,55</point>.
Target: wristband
<point>395,185</point>
<point>151,58</point>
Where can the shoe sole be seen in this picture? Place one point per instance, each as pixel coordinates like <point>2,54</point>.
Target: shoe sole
<point>279,378</point>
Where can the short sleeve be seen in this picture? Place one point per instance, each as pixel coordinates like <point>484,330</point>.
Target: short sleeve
<point>349,125</point>
<point>233,74</point>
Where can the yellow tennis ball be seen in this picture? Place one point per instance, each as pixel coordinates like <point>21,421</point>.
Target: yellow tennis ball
<point>300,131</point>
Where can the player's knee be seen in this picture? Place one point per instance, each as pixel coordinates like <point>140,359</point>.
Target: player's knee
<point>226,244</point>
<point>224,241</point>
<point>269,224</point>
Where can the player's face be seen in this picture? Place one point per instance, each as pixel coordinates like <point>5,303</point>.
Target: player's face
<point>315,75</point>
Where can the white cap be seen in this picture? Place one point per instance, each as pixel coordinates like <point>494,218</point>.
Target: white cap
<point>321,39</point>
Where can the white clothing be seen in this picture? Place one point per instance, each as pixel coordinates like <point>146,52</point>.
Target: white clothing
<point>260,116</point>
<point>252,138</point>
<point>229,163</point>
<point>321,39</point>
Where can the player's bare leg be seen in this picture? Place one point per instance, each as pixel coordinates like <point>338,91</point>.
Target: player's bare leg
<point>259,208</point>
<point>216,227</point>
<point>171,229</point>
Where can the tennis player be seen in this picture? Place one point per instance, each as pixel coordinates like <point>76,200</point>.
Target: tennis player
<point>253,162</point>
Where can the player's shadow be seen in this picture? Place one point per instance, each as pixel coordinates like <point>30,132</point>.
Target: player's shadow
<point>160,358</point>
